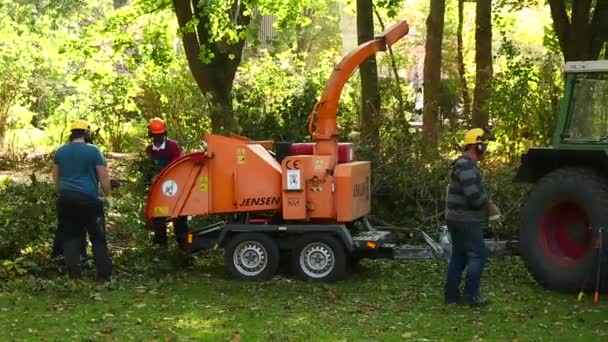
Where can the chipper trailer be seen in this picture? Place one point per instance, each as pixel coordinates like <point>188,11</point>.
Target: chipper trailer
<point>308,202</point>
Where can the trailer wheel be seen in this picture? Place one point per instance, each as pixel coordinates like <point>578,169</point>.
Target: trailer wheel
<point>559,223</point>
<point>251,256</point>
<point>319,257</point>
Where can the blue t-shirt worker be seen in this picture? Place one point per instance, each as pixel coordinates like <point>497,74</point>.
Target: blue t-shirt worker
<point>78,168</point>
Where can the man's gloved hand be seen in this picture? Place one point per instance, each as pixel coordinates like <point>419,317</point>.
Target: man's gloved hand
<point>493,212</point>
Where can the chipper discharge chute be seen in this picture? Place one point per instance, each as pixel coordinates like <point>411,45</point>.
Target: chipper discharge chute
<point>304,201</point>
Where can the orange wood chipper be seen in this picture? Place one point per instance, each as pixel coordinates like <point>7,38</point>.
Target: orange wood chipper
<point>304,201</point>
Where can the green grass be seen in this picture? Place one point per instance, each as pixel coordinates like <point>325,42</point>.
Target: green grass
<point>386,300</point>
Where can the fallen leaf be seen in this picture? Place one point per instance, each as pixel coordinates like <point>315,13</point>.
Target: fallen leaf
<point>140,305</point>
<point>236,337</point>
<point>332,295</point>
<point>368,308</point>
<point>407,335</point>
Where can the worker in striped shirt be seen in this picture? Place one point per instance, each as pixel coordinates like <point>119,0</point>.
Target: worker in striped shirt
<point>467,210</point>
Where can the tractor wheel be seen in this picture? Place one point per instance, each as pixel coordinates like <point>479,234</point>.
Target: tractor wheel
<point>251,256</point>
<point>559,225</point>
<point>319,257</point>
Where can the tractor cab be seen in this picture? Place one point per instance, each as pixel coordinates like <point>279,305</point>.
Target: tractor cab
<point>581,133</point>
<point>583,120</point>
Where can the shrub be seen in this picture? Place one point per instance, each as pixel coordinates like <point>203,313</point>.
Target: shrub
<point>28,216</point>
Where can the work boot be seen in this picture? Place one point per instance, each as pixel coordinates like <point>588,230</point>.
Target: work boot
<point>478,301</point>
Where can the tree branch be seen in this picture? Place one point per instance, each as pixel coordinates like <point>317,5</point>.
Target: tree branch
<point>160,7</point>
<point>393,65</point>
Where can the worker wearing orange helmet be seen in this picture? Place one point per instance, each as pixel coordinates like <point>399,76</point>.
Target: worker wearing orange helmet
<point>467,209</point>
<point>162,152</point>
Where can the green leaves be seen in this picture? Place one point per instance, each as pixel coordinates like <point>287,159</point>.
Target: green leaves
<point>27,213</point>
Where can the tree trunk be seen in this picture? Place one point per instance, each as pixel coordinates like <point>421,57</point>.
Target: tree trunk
<point>215,76</point>
<point>370,95</point>
<point>483,61</point>
<point>580,38</point>
<point>432,72</point>
<point>120,3</point>
<point>466,97</point>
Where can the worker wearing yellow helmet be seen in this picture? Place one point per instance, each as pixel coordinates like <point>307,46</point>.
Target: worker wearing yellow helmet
<point>78,169</point>
<point>466,210</point>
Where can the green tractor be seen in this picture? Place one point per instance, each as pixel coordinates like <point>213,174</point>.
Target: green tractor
<point>568,202</point>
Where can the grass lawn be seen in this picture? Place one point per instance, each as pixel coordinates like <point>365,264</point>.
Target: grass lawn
<point>385,301</point>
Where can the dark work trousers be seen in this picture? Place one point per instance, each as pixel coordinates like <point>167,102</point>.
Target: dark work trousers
<point>468,251</point>
<point>79,213</point>
<point>58,243</point>
<point>180,226</point>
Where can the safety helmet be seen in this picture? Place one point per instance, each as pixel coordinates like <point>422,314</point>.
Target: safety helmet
<point>157,126</point>
<point>80,124</point>
<point>476,136</point>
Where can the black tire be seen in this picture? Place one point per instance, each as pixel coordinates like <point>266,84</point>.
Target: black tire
<point>558,229</point>
<point>251,256</point>
<point>319,257</point>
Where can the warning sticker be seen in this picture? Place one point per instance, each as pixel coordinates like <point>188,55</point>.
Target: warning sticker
<point>204,183</point>
<point>170,188</point>
<point>293,180</point>
<point>319,164</point>
<point>161,211</point>
<point>240,156</point>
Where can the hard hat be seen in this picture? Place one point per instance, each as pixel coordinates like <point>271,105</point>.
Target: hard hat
<point>476,136</point>
<point>80,124</point>
<point>156,126</point>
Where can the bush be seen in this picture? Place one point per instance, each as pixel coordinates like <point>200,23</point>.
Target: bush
<point>28,216</point>
<point>409,188</point>
<point>274,96</point>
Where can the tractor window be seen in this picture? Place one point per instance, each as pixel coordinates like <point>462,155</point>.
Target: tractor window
<point>588,113</point>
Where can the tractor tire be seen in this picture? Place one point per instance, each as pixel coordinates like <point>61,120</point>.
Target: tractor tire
<point>558,229</point>
<point>319,258</point>
<point>251,256</point>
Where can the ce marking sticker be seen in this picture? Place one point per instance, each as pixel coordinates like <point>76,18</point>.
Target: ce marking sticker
<point>292,164</point>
